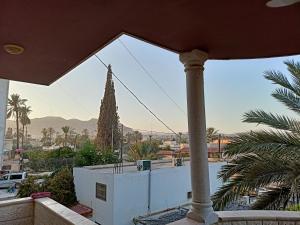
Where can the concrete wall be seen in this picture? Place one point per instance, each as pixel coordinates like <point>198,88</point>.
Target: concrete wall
<point>85,186</point>
<point>251,217</point>
<point>4,84</point>
<point>16,212</point>
<point>50,212</point>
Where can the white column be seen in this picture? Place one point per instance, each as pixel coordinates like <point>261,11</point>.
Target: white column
<point>4,84</point>
<point>202,210</point>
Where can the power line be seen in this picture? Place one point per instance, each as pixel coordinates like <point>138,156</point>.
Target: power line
<point>143,104</point>
<point>151,77</point>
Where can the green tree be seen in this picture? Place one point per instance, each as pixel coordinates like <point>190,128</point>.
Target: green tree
<point>24,120</point>
<point>211,134</point>
<point>15,102</point>
<point>51,132</point>
<point>268,158</point>
<point>108,133</point>
<point>45,137</point>
<point>60,184</point>
<point>66,130</point>
<point>143,150</point>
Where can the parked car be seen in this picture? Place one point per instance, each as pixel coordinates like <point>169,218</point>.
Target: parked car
<point>12,179</point>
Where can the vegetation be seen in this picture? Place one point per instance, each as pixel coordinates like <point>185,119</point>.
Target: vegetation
<point>134,137</point>
<point>88,155</point>
<point>211,134</point>
<point>60,184</point>
<point>267,158</point>
<point>40,160</point>
<point>24,119</point>
<point>108,134</point>
<point>15,102</point>
<point>143,150</point>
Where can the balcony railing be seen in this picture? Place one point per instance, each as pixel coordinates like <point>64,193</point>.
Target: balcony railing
<point>43,211</point>
<point>251,217</point>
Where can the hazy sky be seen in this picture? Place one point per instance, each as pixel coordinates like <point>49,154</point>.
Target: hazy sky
<point>232,87</point>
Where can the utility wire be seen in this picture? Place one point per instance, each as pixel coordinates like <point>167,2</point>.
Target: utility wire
<point>143,104</point>
<point>151,77</point>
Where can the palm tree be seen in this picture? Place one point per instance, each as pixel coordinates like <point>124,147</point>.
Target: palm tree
<point>211,134</point>
<point>13,110</point>
<point>51,131</point>
<point>24,119</point>
<point>45,136</point>
<point>66,130</point>
<point>266,158</point>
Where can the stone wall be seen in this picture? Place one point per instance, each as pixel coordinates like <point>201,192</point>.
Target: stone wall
<point>16,212</point>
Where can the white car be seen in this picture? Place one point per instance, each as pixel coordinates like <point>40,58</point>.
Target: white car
<point>12,179</point>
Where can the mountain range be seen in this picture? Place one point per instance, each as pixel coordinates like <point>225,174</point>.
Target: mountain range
<point>37,124</point>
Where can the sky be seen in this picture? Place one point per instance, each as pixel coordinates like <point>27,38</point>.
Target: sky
<point>232,87</point>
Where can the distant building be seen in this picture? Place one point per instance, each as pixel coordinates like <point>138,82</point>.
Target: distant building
<point>172,145</point>
<point>117,198</point>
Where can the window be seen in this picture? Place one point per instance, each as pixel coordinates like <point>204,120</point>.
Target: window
<point>189,195</point>
<point>101,191</point>
<point>16,177</point>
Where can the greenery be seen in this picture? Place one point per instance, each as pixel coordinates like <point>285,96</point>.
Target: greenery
<point>143,150</point>
<point>88,155</point>
<point>60,184</point>
<point>108,134</point>
<point>211,134</point>
<point>15,103</point>
<point>267,158</point>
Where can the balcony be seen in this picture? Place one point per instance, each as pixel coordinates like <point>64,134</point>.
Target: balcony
<point>43,211</point>
<point>251,217</point>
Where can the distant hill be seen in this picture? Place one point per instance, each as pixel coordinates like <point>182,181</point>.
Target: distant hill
<point>37,124</point>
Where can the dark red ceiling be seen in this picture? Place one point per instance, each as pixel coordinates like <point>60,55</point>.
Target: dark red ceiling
<point>59,34</point>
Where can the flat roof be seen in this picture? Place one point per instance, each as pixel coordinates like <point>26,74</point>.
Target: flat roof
<point>58,35</point>
<point>130,167</point>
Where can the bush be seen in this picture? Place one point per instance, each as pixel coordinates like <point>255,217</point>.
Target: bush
<point>29,186</point>
<point>88,155</point>
<point>60,184</point>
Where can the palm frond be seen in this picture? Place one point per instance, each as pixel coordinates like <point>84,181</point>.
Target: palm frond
<point>273,198</point>
<point>272,120</point>
<point>288,98</point>
<point>279,78</point>
<point>263,141</point>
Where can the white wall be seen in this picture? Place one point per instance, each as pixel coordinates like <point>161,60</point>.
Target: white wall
<point>4,84</point>
<point>85,187</point>
<point>131,197</point>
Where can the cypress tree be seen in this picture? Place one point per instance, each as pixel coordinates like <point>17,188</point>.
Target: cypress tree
<point>108,129</point>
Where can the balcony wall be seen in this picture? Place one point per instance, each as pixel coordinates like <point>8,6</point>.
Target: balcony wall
<point>44,211</point>
<point>251,217</point>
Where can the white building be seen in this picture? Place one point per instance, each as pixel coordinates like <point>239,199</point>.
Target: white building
<point>116,198</point>
<point>172,144</point>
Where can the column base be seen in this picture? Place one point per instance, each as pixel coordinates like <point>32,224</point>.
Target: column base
<point>203,213</point>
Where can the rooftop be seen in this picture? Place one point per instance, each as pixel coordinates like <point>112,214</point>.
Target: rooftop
<point>130,167</point>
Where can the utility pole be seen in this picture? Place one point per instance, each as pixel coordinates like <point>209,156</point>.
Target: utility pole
<point>219,142</point>
<point>112,137</point>
<point>122,139</point>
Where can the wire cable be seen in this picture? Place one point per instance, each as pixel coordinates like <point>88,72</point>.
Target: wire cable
<point>151,77</point>
<point>140,101</point>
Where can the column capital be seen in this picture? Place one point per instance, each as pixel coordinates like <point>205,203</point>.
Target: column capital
<point>193,58</point>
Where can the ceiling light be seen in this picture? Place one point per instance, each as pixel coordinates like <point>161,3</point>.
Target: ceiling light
<point>281,3</point>
<point>13,49</point>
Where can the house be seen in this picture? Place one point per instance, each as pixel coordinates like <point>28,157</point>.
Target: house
<point>117,198</point>
<point>43,40</point>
